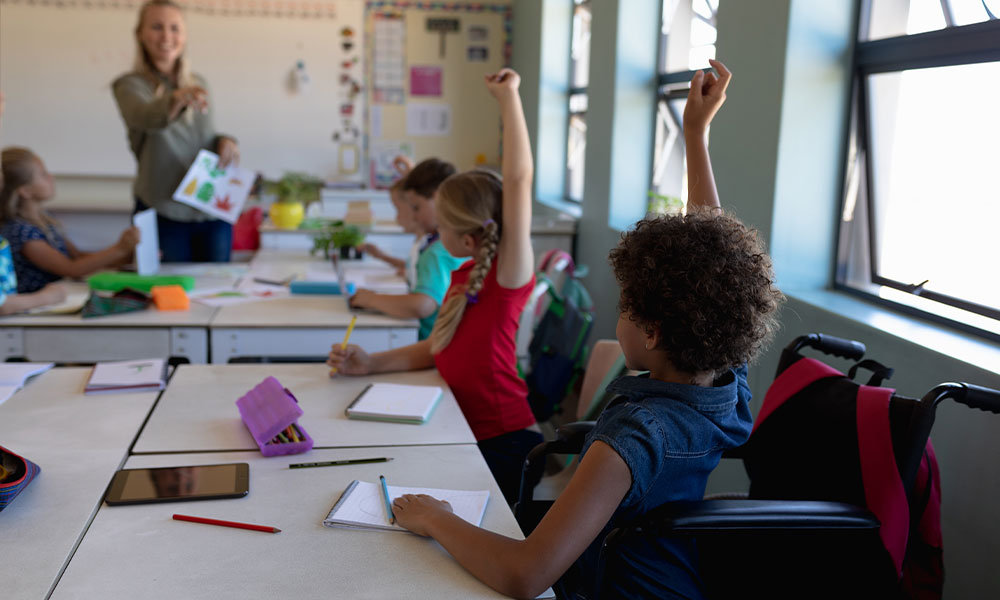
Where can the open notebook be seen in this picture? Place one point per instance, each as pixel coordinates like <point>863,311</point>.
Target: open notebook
<point>127,376</point>
<point>362,505</point>
<point>14,375</point>
<point>395,402</point>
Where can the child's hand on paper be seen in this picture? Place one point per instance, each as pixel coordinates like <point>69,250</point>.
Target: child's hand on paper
<point>413,511</point>
<point>129,239</point>
<point>706,96</point>
<point>362,299</point>
<point>351,360</point>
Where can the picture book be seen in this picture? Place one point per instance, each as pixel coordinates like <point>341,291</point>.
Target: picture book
<point>214,190</point>
<point>395,402</point>
<point>128,376</point>
<point>362,505</point>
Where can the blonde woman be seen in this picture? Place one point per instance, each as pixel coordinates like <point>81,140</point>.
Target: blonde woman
<point>472,343</point>
<point>168,114</point>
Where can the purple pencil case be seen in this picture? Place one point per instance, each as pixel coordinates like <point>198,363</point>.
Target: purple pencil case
<point>271,413</point>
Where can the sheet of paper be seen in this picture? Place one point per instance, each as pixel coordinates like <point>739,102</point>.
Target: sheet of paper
<point>17,373</point>
<point>147,253</point>
<point>365,505</point>
<point>6,391</point>
<point>213,190</point>
<point>428,119</point>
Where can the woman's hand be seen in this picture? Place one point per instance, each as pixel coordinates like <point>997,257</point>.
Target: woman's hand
<point>351,360</point>
<point>706,96</point>
<point>228,151</point>
<point>129,239</point>
<point>194,96</point>
<point>503,83</point>
<point>362,299</point>
<point>413,511</point>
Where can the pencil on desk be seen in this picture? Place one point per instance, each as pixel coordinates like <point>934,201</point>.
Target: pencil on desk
<point>388,503</point>
<point>338,463</point>
<point>264,528</point>
<point>347,336</point>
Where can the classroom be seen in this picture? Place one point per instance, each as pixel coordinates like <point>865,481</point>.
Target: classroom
<point>366,254</point>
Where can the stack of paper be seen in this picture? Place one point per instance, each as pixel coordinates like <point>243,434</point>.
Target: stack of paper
<point>128,376</point>
<point>395,402</point>
<point>14,375</point>
<point>362,505</point>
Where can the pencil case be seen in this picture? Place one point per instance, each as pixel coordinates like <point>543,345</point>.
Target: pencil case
<point>16,472</point>
<point>318,287</point>
<point>271,413</point>
<point>114,282</point>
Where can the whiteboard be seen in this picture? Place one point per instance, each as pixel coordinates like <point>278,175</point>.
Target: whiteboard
<point>57,64</point>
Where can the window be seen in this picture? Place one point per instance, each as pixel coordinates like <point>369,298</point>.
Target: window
<point>922,197</point>
<point>687,41</point>
<point>576,148</point>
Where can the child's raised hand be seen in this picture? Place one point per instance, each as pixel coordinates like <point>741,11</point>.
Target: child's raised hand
<point>129,238</point>
<point>707,94</point>
<point>403,164</point>
<point>351,360</point>
<point>503,83</point>
<point>412,511</point>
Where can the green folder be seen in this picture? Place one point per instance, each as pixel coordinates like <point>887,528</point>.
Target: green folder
<point>114,282</point>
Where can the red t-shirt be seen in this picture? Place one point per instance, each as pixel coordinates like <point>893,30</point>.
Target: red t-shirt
<point>480,363</point>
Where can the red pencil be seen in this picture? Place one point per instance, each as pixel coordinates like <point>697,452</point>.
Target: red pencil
<point>264,528</point>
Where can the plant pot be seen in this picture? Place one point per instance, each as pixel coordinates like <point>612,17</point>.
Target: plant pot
<point>287,215</point>
<point>348,252</point>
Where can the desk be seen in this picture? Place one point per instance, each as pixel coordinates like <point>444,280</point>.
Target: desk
<point>301,327</point>
<point>139,552</point>
<point>79,442</point>
<point>197,412</point>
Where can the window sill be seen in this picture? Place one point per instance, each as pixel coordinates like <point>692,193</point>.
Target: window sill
<point>570,208</point>
<point>967,348</point>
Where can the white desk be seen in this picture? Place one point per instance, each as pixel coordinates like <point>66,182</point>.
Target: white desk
<point>139,552</point>
<point>79,442</point>
<point>302,327</point>
<point>197,412</point>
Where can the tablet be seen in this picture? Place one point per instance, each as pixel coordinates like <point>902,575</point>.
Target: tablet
<point>175,484</point>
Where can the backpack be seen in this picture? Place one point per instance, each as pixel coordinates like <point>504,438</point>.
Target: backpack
<point>822,436</point>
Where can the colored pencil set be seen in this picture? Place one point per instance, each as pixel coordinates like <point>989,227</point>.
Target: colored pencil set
<point>290,434</point>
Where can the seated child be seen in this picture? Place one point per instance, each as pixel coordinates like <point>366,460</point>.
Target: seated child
<point>433,265</point>
<point>406,268</point>
<point>697,302</point>
<point>10,301</point>
<point>42,253</point>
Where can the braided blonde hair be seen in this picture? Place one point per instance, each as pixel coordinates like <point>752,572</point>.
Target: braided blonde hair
<point>471,204</point>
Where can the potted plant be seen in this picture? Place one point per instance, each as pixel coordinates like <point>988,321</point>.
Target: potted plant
<point>347,238</point>
<point>294,192</point>
<point>323,238</point>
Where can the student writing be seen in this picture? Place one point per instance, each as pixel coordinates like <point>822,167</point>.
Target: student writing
<point>41,251</point>
<point>472,344</point>
<point>434,263</point>
<point>404,218</point>
<point>697,301</point>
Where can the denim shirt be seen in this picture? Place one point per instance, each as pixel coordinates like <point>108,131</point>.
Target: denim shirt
<point>671,436</point>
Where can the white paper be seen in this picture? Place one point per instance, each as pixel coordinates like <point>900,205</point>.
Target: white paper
<point>365,507</point>
<point>6,391</point>
<point>74,303</point>
<point>428,119</point>
<point>147,253</point>
<point>17,373</point>
<point>218,192</point>
<point>127,374</point>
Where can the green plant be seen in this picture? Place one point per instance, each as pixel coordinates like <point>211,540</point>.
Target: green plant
<point>661,204</point>
<point>323,238</point>
<point>295,187</point>
<point>347,236</point>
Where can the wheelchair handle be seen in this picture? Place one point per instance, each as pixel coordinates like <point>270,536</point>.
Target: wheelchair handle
<point>829,344</point>
<point>971,395</point>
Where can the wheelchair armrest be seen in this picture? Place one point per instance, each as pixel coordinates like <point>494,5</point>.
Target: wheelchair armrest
<point>757,515</point>
<point>570,437</point>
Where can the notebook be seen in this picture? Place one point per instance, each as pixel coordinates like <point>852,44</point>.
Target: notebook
<point>14,375</point>
<point>127,376</point>
<point>395,402</point>
<point>362,505</point>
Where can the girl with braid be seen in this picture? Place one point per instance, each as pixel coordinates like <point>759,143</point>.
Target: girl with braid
<point>487,220</point>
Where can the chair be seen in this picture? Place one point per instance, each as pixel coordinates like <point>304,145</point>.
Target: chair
<point>777,548</point>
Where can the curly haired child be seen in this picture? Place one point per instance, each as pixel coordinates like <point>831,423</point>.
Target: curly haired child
<point>697,302</point>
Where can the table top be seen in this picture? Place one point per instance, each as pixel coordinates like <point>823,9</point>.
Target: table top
<point>197,412</point>
<point>79,442</point>
<point>138,551</point>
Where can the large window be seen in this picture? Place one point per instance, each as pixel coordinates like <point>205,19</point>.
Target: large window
<point>921,213</point>
<point>687,41</point>
<point>576,148</point>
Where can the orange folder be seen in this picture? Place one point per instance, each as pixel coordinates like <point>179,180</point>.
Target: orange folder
<point>170,297</point>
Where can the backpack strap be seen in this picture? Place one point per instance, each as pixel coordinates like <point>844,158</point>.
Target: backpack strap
<point>884,493</point>
<point>792,381</point>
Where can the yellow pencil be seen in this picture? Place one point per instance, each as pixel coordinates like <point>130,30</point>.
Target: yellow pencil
<point>347,336</point>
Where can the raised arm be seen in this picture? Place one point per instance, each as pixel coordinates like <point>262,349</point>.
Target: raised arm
<point>707,94</point>
<point>515,258</point>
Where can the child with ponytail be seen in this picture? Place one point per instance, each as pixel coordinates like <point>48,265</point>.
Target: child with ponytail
<point>487,219</point>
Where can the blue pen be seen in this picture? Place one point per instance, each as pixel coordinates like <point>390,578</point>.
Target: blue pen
<point>385,495</point>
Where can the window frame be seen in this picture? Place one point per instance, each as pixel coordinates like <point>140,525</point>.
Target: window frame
<point>571,91</point>
<point>952,46</point>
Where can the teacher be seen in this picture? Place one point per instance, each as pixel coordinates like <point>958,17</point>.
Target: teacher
<point>167,112</point>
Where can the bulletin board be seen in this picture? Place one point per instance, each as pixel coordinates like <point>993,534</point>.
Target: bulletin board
<point>59,57</point>
<point>426,63</point>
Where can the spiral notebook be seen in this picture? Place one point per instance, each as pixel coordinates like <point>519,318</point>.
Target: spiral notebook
<point>395,402</point>
<point>362,505</point>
